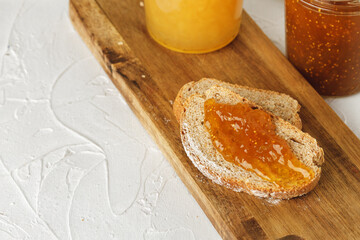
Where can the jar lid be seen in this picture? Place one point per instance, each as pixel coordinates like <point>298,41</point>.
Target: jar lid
<point>333,7</point>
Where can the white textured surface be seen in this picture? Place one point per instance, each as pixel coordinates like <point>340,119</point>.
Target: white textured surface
<point>74,161</point>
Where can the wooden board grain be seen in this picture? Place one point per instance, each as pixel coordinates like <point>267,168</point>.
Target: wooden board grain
<point>149,77</point>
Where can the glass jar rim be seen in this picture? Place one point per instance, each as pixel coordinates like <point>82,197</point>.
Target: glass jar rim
<point>333,7</point>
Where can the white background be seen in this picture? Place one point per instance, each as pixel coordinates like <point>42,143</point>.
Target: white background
<point>74,161</point>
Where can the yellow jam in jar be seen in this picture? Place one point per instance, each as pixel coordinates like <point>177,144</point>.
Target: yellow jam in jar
<point>193,26</point>
<point>323,43</point>
<point>246,136</point>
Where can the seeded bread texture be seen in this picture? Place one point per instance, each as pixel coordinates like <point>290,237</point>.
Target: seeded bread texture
<point>279,104</point>
<point>199,148</point>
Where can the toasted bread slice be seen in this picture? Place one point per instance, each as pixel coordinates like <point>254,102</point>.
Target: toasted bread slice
<point>279,104</point>
<point>199,148</point>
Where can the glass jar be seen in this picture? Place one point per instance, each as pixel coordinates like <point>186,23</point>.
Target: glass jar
<point>193,26</point>
<point>323,43</point>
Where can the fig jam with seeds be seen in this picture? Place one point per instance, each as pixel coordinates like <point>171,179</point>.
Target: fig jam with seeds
<point>323,43</point>
<point>246,137</point>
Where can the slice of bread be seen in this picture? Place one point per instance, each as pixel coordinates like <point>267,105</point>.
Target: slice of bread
<point>279,104</point>
<point>200,149</point>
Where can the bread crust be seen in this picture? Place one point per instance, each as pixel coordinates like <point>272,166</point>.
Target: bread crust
<point>252,189</point>
<point>216,174</point>
<point>179,102</point>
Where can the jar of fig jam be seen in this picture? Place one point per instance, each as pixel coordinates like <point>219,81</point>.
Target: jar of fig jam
<point>323,43</point>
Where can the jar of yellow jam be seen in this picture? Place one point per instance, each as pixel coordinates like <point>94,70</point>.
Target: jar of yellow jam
<point>193,26</point>
<point>323,43</point>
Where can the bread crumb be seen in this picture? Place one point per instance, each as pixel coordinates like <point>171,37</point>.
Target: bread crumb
<point>166,120</point>
<point>141,4</point>
<point>273,200</point>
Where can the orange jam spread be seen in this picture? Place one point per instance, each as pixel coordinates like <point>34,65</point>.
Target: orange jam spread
<point>246,137</point>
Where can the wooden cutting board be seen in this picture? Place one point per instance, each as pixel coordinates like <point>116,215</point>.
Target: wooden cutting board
<point>149,76</point>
